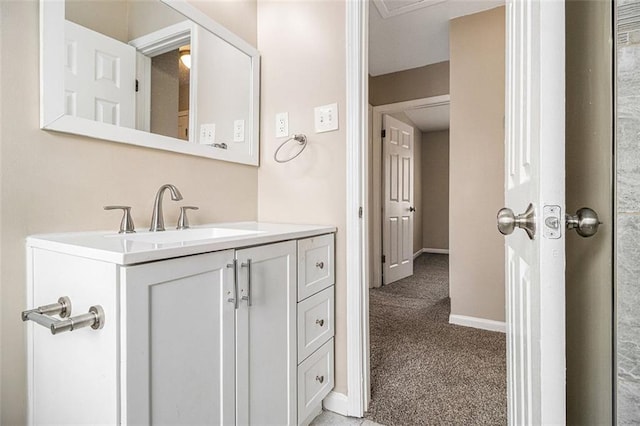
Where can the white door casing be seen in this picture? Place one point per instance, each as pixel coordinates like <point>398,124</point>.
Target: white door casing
<point>397,228</point>
<point>534,165</point>
<point>99,77</point>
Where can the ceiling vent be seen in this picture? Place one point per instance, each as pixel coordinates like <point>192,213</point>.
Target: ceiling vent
<point>389,8</point>
<point>628,21</point>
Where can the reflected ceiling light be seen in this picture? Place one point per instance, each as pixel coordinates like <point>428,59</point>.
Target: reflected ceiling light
<point>185,56</point>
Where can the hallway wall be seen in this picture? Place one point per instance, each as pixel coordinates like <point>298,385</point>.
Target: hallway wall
<point>435,190</point>
<point>476,174</point>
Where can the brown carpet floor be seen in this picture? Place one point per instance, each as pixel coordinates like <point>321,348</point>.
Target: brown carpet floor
<point>425,371</point>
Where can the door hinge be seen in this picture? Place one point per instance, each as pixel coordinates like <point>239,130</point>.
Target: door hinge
<point>383,133</point>
<point>360,212</point>
<point>384,258</point>
<point>137,85</point>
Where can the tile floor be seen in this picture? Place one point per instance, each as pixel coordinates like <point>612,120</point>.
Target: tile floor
<point>330,418</point>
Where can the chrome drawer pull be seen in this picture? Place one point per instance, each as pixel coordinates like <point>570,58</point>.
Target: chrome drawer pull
<point>320,265</point>
<point>42,315</point>
<point>320,379</point>
<point>234,299</point>
<point>320,322</point>
<point>248,296</point>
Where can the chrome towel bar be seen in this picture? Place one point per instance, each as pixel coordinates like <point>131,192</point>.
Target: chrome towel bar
<point>42,315</point>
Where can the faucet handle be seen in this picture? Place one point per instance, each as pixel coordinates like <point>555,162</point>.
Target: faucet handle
<point>183,221</point>
<point>126,225</point>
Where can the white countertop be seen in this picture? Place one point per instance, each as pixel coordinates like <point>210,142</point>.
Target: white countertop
<point>128,249</point>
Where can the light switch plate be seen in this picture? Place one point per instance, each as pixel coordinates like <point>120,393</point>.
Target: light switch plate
<point>326,118</point>
<point>207,134</point>
<point>282,125</point>
<point>238,131</point>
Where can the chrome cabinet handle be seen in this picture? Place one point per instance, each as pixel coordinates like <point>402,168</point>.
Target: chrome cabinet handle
<point>585,222</point>
<point>234,299</point>
<point>42,315</point>
<point>320,265</point>
<point>248,296</point>
<point>320,322</point>
<point>126,224</point>
<point>507,221</point>
<point>320,379</point>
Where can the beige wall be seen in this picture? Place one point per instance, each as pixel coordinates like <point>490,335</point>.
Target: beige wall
<point>302,46</point>
<point>57,183</point>
<point>165,88</point>
<point>416,83</point>
<point>589,167</point>
<point>435,190</point>
<point>477,44</point>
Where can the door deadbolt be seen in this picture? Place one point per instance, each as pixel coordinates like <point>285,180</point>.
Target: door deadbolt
<point>508,221</point>
<point>585,222</point>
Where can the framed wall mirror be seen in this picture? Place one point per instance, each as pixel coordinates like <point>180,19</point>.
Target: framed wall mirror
<point>157,73</point>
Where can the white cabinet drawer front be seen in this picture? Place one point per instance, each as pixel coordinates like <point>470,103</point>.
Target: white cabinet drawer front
<point>315,322</point>
<point>315,380</point>
<point>316,269</point>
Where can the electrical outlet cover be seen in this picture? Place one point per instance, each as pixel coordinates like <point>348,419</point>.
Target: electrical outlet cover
<point>282,125</point>
<point>326,118</point>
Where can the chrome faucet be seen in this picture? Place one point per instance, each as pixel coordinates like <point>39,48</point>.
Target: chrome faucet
<point>157,219</point>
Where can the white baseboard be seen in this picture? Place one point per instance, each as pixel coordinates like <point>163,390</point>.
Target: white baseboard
<point>418,253</point>
<point>435,251</point>
<point>336,402</point>
<point>481,323</point>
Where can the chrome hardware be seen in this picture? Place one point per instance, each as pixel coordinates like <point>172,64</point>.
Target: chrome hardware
<point>234,299</point>
<point>222,145</point>
<point>585,222</point>
<point>507,221</point>
<point>94,318</point>
<point>320,379</point>
<point>412,209</point>
<point>248,296</point>
<point>126,225</point>
<point>183,221</point>
<point>157,218</point>
<point>551,216</point>
<point>320,322</point>
<point>320,265</point>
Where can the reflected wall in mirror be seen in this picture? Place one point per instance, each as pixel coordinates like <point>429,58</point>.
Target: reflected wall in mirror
<point>145,73</point>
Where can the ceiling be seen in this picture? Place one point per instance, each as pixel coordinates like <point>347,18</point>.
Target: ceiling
<point>415,32</point>
<point>430,118</point>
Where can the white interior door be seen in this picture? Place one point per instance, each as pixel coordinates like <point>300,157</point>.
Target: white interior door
<point>535,174</point>
<point>397,228</point>
<point>99,77</point>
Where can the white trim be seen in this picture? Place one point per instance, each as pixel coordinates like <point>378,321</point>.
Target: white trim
<point>356,250</point>
<point>481,323</point>
<point>337,403</point>
<point>418,253</point>
<point>376,170</point>
<point>435,251</point>
<point>164,40</point>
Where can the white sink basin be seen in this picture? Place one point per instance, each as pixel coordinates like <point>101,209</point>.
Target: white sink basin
<point>186,235</point>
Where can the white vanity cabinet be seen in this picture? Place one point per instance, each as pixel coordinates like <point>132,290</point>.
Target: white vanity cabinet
<point>211,338</point>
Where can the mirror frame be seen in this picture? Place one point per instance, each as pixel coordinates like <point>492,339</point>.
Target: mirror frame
<point>52,109</point>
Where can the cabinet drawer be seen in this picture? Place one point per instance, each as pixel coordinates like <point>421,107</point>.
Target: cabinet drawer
<point>315,380</point>
<point>316,269</point>
<point>315,322</point>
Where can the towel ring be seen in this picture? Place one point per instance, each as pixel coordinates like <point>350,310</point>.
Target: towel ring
<point>300,138</point>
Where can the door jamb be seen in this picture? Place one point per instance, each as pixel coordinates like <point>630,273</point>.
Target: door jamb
<point>373,173</point>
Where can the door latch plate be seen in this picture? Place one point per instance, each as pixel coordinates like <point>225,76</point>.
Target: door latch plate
<point>552,227</point>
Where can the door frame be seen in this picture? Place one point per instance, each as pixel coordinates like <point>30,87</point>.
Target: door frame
<point>373,173</point>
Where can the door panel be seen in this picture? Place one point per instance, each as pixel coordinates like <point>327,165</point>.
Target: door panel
<point>397,238</point>
<point>99,77</point>
<point>266,335</point>
<point>535,174</point>
<point>179,341</point>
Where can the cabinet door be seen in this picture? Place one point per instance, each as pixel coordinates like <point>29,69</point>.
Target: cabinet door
<point>266,335</point>
<point>178,337</point>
